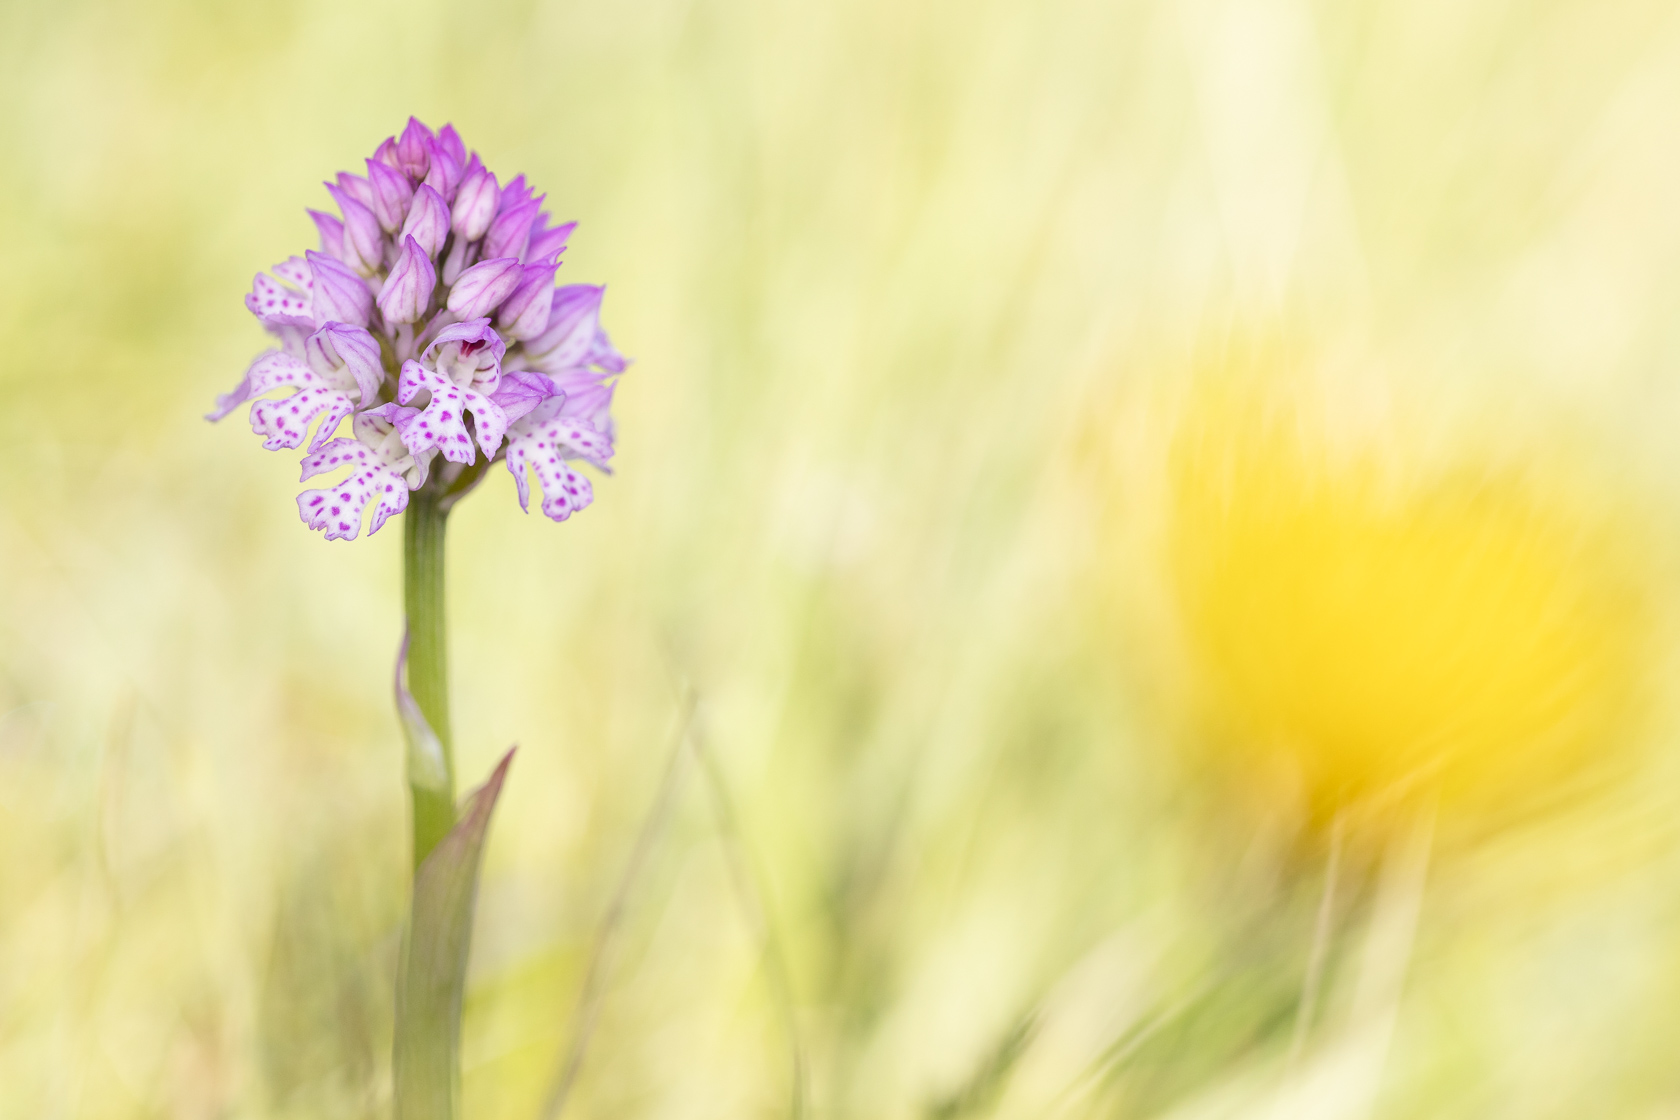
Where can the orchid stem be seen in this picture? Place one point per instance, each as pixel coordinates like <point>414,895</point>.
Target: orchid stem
<point>428,660</point>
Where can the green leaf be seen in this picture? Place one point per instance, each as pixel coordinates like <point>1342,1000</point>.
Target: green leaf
<point>432,975</point>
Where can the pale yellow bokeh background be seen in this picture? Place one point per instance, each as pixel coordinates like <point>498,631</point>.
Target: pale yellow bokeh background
<point>916,293</point>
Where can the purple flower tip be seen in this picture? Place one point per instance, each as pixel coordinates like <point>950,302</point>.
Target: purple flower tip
<point>408,289</point>
<point>482,288</point>
<point>340,295</point>
<point>391,194</point>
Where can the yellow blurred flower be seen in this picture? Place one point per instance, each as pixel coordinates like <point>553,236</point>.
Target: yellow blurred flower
<point>1360,624</point>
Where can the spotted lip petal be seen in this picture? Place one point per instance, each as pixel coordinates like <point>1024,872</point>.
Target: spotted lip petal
<point>338,510</point>
<point>545,447</point>
<point>439,424</point>
<point>284,302</point>
<point>284,422</point>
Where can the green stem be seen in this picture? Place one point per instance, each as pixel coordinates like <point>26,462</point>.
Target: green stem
<point>428,660</point>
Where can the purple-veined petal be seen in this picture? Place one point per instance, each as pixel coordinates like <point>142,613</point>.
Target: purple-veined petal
<point>603,355</point>
<point>391,194</point>
<point>508,233</point>
<point>386,153</point>
<point>524,314</point>
<point>587,398</point>
<point>450,141</point>
<point>428,220</point>
<point>514,194</point>
<point>340,295</point>
<point>475,203</point>
<point>439,423</point>
<point>348,355</point>
<point>338,510</point>
<point>573,318</point>
<point>521,391</point>
<point>408,289</point>
<point>444,175</point>
<point>546,244</point>
<point>414,150</point>
<point>481,288</point>
<point>331,231</point>
<point>355,186</point>
<point>364,241</point>
<point>285,422</point>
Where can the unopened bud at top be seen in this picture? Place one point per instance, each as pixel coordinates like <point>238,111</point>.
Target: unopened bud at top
<point>508,233</point>
<point>475,203</point>
<point>428,220</point>
<point>524,314</point>
<point>414,150</point>
<point>391,194</point>
<point>364,241</point>
<point>482,288</point>
<point>408,290</point>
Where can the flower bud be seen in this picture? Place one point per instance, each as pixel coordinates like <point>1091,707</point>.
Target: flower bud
<point>391,195</point>
<point>445,172</point>
<point>508,233</point>
<point>428,220</point>
<point>340,295</point>
<point>514,193</point>
<point>414,150</point>
<point>408,290</point>
<point>475,204</point>
<point>364,241</point>
<point>331,231</point>
<point>355,186</point>
<point>450,141</point>
<point>484,286</point>
<point>386,153</point>
<point>547,244</point>
<point>524,314</point>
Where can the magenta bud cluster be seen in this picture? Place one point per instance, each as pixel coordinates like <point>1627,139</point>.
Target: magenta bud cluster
<point>429,320</point>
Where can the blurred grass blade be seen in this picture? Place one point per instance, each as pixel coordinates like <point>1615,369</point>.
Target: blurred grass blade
<point>433,970</point>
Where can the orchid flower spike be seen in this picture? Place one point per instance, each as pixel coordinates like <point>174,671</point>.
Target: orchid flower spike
<point>429,321</point>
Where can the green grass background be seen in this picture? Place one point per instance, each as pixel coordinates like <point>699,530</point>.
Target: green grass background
<point>874,261</point>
